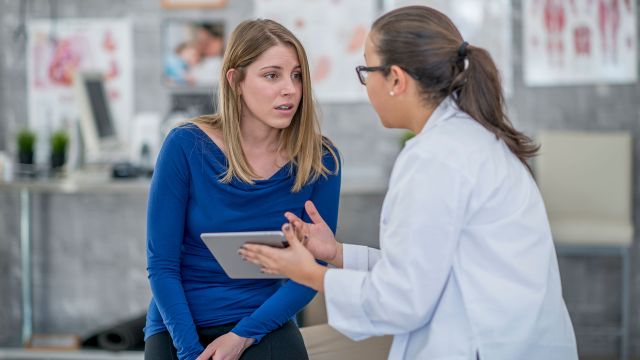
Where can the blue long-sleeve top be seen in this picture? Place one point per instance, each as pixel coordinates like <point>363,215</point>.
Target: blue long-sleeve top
<point>189,287</point>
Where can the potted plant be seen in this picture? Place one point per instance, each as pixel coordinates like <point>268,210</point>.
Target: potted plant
<point>406,136</point>
<point>59,142</point>
<point>26,143</point>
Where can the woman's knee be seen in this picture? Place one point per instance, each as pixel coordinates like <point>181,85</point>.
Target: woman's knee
<point>284,343</point>
<point>160,347</point>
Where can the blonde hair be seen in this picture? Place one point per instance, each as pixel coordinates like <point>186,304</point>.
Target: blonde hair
<point>301,140</point>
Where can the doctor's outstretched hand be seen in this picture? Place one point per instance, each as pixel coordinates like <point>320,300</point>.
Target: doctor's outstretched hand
<point>317,236</point>
<point>295,262</point>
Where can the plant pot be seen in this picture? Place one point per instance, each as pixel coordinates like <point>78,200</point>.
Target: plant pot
<point>25,157</point>
<point>57,160</point>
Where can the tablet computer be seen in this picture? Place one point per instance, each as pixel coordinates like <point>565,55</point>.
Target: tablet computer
<point>225,246</point>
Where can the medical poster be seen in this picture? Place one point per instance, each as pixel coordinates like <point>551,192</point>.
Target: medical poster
<point>333,34</point>
<point>56,50</point>
<point>579,42</point>
<point>483,23</point>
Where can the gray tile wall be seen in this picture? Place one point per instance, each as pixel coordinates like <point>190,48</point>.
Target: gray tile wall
<point>89,261</point>
<point>10,269</point>
<point>84,281</point>
<point>2,71</point>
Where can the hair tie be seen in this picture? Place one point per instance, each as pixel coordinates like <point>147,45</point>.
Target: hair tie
<point>462,50</point>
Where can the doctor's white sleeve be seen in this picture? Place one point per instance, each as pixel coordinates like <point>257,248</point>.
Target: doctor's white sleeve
<point>358,257</point>
<point>419,239</point>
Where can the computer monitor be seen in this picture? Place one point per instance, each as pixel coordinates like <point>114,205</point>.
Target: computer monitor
<point>98,130</point>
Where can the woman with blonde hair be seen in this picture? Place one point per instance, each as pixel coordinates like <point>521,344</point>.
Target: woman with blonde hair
<point>261,155</point>
<point>467,268</point>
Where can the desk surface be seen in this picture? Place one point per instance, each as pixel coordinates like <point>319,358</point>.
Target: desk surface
<point>74,186</point>
<point>83,183</point>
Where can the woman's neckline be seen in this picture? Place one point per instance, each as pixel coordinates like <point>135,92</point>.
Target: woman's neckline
<point>221,152</point>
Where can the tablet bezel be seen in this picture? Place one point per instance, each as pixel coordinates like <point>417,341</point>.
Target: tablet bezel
<point>224,247</point>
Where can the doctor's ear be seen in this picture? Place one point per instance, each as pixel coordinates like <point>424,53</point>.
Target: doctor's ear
<point>232,79</point>
<point>398,79</point>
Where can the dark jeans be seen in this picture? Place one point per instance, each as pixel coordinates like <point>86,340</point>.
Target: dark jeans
<point>284,343</point>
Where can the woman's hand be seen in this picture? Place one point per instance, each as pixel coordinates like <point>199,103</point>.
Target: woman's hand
<point>226,347</point>
<point>294,262</point>
<point>317,236</point>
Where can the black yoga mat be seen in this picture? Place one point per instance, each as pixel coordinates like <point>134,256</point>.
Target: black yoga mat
<point>126,335</point>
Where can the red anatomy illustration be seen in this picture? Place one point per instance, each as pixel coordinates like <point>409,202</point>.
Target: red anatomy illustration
<point>582,40</point>
<point>555,21</point>
<point>609,26</point>
<point>64,63</point>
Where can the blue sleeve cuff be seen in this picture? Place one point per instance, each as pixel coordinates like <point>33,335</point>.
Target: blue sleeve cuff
<point>250,328</point>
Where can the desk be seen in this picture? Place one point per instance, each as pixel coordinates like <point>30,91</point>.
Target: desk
<point>84,184</point>
<point>73,185</point>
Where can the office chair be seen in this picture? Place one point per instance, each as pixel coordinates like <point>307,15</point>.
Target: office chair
<point>586,182</point>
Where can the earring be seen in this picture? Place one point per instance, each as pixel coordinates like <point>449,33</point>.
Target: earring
<point>391,93</point>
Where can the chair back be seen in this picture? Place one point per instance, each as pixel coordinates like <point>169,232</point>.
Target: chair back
<point>586,178</point>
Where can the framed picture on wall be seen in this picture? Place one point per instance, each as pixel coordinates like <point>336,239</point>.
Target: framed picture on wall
<point>192,4</point>
<point>192,53</point>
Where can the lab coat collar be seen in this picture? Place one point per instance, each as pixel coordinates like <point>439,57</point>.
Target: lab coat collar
<point>444,110</point>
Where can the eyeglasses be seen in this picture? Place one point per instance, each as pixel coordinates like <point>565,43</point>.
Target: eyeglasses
<point>363,72</point>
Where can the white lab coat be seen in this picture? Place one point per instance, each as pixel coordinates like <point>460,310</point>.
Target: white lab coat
<point>467,267</point>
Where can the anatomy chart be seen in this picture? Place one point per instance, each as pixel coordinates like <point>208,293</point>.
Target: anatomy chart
<point>333,34</point>
<point>57,50</point>
<point>579,42</point>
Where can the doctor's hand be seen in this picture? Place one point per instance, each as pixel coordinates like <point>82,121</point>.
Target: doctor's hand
<point>317,236</point>
<point>226,347</point>
<point>294,262</point>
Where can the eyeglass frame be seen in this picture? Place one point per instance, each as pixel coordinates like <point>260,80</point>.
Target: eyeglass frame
<point>368,69</point>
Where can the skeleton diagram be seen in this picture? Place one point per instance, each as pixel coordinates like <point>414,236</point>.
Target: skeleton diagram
<point>555,22</point>
<point>609,27</point>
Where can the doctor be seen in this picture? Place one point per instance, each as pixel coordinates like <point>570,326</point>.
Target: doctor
<point>467,267</point>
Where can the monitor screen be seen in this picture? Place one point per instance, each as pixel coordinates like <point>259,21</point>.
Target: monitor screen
<point>100,108</point>
<point>99,131</point>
